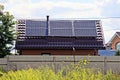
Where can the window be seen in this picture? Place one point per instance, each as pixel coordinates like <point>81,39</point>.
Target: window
<point>46,54</point>
<point>118,46</point>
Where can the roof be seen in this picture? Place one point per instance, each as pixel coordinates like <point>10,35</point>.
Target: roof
<point>61,28</point>
<point>60,43</point>
<point>59,34</point>
<point>116,34</point>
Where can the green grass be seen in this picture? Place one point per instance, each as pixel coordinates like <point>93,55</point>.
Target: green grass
<point>77,72</point>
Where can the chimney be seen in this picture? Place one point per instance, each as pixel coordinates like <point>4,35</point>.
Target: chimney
<point>47,26</point>
<point>47,18</point>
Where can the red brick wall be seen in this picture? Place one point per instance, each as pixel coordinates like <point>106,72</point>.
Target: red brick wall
<point>59,52</point>
<point>114,42</point>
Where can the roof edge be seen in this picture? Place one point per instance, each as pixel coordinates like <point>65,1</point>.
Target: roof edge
<point>113,38</point>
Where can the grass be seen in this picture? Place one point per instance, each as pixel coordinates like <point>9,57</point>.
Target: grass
<point>77,72</point>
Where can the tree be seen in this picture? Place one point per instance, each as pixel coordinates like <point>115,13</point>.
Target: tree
<point>117,53</point>
<point>7,33</point>
<point>1,9</point>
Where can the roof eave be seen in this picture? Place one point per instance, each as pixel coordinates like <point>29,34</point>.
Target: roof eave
<point>113,38</point>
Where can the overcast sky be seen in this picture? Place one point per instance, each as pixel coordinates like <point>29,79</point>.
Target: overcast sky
<point>69,9</point>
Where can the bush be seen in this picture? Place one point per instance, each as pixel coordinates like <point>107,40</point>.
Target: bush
<point>117,53</point>
<point>77,72</point>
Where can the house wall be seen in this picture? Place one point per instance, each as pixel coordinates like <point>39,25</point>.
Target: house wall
<point>60,52</point>
<point>114,42</point>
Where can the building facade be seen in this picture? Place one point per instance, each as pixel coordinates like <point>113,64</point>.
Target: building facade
<point>59,37</point>
<point>114,43</point>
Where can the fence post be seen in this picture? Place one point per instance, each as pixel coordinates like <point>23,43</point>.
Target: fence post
<point>7,63</point>
<point>54,64</point>
<point>105,65</point>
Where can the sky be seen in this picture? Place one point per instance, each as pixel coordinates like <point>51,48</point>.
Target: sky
<point>108,11</point>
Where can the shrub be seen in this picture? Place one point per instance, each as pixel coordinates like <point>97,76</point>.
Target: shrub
<point>77,72</point>
<point>117,53</point>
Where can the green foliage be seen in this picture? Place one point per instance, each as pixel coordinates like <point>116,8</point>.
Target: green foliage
<point>117,53</point>
<point>1,9</point>
<point>77,72</point>
<point>7,33</point>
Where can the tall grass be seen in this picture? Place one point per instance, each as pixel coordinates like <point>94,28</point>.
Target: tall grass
<point>77,72</point>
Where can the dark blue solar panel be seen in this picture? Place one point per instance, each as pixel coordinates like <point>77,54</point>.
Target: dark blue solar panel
<point>32,23</point>
<point>84,24</point>
<point>85,28</point>
<point>61,32</point>
<point>85,32</point>
<point>35,28</point>
<point>36,32</point>
<point>61,28</point>
<point>61,24</point>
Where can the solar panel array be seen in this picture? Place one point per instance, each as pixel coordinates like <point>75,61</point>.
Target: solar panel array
<point>61,28</point>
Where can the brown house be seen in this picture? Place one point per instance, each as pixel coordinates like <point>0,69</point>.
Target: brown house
<point>59,37</point>
<point>114,43</point>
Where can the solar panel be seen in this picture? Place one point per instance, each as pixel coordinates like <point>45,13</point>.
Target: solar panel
<point>61,28</point>
<point>61,32</point>
<point>87,24</point>
<point>32,23</point>
<point>35,28</point>
<point>36,32</point>
<point>85,28</point>
<point>61,24</point>
<point>85,32</point>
